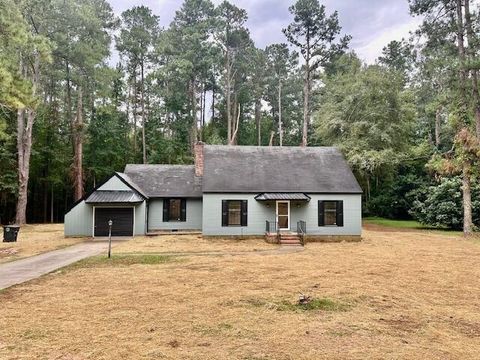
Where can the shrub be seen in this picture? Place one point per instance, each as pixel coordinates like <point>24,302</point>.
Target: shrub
<point>440,205</point>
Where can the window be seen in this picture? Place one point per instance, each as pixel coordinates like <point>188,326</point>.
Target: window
<point>330,213</point>
<point>234,212</point>
<point>174,210</point>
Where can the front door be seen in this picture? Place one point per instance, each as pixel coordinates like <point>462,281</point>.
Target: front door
<point>283,215</point>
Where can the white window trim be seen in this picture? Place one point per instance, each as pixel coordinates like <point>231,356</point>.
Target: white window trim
<point>276,214</point>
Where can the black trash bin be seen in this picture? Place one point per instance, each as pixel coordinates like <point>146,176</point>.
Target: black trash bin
<point>10,233</point>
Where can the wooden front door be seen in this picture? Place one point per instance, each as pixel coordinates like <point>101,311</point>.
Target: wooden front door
<point>283,215</point>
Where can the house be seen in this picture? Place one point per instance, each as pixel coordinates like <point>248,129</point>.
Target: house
<point>235,191</point>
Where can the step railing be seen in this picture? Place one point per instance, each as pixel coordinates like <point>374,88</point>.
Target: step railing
<point>302,231</point>
<point>271,227</point>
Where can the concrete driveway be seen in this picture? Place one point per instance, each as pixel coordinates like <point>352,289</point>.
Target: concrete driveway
<point>19,271</point>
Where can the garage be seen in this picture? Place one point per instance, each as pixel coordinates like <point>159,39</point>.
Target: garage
<point>122,219</point>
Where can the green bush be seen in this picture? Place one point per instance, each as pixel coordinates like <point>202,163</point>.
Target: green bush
<point>440,205</point>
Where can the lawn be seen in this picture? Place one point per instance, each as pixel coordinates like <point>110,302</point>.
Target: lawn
<point>402,224</point>
<point>34,240</point>
<point>395,295</point>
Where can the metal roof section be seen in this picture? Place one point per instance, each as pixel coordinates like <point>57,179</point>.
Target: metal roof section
<point>282,196</point>
<point>113,197</point>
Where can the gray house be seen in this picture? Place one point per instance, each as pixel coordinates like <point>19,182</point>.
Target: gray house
<point>287,194</point>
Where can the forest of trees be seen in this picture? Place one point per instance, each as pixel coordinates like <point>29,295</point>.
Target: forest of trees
<point>409,124</point>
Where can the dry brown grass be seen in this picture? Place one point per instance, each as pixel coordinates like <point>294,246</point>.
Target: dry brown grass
<point>410,295</point>
<point>188,243</point>
<point>33,240</point>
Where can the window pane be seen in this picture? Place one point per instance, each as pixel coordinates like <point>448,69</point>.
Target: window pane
<point>234,213</point>
<point>283,222</point>
<point>175,210</point>
<point>330,216</point>
<point>330,205</point>
<point>282,208</point>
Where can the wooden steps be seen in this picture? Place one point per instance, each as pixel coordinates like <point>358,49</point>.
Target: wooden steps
<point>290,239</point>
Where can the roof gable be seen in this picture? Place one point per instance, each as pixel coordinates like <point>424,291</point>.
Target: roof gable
<point>111,184</point>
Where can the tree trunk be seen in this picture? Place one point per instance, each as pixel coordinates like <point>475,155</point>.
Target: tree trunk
<point>142,79</point>
<point>272,134</point>
<point>193,102</point>
<point>24,143</point>
<point>45,202</point>
<point>69,95</point>
<point>213,103</point>
<point>51,204</point>
<point>461,55</point>
<point>78,148</point>
<point>306,94</point>
<point>24,148</point>
<point>236,121</point>
<point>473,46</point>
<point>467,200</point>
<point>438,125</point>
<point>466,176</point>
<point>280,131</point>
<point>135,94</point>
<point>228,95</point>
<point>204,106</point>
<point>258,114</point>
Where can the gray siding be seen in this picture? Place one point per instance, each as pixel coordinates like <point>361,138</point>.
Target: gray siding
<point>259,212</point>
<point>352,215</point>
<point>140,219</point>
<point>114,183</point>
<point>193,222</point>
<point>79,220</point>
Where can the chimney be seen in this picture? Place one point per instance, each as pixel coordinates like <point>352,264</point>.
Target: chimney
<point>198,152</point>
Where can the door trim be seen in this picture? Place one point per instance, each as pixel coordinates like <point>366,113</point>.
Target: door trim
<point>288,215</point>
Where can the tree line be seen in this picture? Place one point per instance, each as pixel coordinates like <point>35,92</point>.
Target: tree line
<point>409,124</point>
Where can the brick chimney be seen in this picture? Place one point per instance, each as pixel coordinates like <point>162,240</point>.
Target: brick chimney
<point>198,152</point>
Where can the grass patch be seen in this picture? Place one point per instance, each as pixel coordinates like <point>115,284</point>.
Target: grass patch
<point>33,334</point>
<point>401,224</point>
<point>324,304</point>
<point>123,260</point>
<point>408,224</point>
<point>218,329</point>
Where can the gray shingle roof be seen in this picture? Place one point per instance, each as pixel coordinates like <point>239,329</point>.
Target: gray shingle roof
<point>253,169</point>
<point>112,197</point>
<point>165,180</point>
<point>132,184</point>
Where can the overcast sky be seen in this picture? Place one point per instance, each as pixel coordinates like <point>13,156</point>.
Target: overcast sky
<point>372,23</point>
